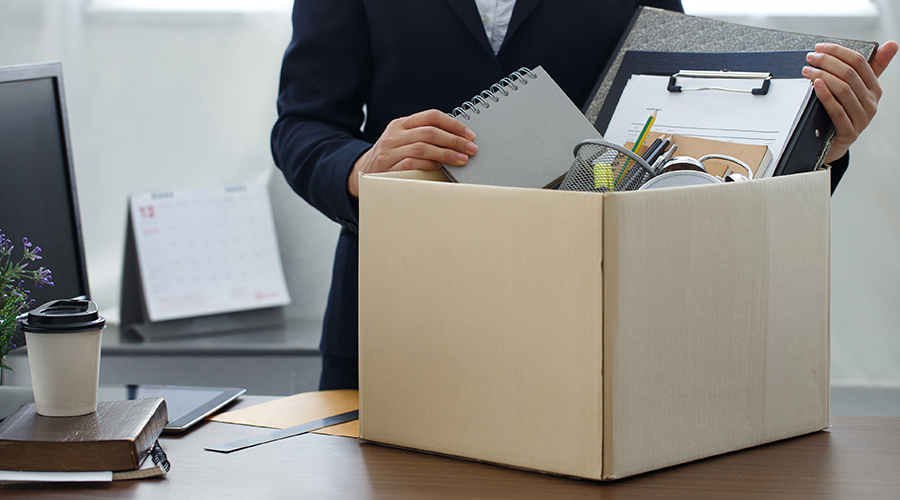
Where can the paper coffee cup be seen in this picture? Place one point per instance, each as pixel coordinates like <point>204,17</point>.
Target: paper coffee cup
<point>63,339</point>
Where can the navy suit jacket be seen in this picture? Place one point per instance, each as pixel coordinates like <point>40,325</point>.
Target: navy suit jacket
<point>399,57</point>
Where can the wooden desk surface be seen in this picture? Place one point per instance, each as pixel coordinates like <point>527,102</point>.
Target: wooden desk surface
<point>859,457</point>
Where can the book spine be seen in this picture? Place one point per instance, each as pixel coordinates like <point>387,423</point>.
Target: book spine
<point>67,457</point>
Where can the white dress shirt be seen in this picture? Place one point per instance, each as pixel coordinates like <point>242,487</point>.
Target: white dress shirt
<point>495,15</point>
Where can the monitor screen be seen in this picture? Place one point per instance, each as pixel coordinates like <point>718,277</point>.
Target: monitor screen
<point>37,183</point>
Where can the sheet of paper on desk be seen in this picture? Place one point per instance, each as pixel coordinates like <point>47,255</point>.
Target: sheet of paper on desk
<point>207,251</point>
<point>299,409</point>
<point>712,114</point>
<point>55,477</point>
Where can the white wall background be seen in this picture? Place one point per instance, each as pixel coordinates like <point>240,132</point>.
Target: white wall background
<point>179,100</point>
<point>865,210</point>
<point>169,100</point>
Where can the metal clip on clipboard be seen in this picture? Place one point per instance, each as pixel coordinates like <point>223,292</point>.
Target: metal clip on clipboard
<point>763,90</point>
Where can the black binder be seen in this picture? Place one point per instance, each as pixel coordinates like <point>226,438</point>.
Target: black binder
<point>662,42</point>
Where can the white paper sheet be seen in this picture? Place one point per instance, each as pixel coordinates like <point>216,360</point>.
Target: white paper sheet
<point>712,114</point>
<point>207,251</point>
<point>56,477</point>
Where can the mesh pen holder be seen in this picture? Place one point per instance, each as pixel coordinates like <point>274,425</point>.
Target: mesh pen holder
<point>601,166</point>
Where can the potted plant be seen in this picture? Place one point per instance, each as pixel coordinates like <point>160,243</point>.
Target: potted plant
<point>14,299</point>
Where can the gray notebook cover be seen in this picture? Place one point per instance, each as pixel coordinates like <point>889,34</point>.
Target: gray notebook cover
<point>666,31</point>
<point>525,138</point>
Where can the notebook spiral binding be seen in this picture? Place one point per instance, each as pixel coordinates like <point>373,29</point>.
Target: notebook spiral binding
<point>522,75</point>
<point>159,457</point>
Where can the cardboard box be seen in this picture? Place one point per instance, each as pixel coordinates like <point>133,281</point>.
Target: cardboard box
<point>589,335</point>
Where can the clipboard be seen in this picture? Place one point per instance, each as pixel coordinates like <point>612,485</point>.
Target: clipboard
<point>805,150</point>
<point>718,45</point>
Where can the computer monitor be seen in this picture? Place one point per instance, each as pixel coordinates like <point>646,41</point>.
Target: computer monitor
<point>37,181</point>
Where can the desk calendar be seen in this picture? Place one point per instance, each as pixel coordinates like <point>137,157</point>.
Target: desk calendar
<point>207,251</point>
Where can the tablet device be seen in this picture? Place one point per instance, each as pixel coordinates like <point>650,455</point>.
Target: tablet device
<point>186,405</point>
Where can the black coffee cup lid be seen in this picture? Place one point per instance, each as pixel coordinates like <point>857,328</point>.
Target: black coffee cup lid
<point>64,316</point>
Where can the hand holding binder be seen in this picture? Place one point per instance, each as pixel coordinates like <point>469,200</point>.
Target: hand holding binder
<point>850,113</point>
<point>675,33</point>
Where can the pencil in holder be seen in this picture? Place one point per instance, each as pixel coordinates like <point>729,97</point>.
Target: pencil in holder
<point>601,166</point>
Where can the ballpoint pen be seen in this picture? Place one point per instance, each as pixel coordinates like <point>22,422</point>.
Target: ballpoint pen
<point>657,150</point>
<point>666,157</point>
<point>652,149</point>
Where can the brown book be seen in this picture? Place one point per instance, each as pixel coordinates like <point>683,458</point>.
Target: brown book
<point>117,437</point>
<point>156,465</point>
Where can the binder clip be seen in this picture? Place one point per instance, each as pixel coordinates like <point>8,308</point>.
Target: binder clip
<point>763,90</point>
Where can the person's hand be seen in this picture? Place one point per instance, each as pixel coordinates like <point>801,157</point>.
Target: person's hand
<point>417,142</point>
<point>848,88</point>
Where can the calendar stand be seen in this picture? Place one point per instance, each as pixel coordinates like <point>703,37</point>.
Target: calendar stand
<point>201,262</point>
<point>136,324</point>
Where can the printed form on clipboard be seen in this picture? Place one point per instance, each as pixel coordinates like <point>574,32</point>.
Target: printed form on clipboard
<point>207,251</point>
<point>722,115</point>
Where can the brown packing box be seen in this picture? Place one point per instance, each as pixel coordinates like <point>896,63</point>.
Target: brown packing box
<point>589,335</point>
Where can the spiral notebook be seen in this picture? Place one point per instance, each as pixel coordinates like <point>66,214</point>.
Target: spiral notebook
<point>526,129</point>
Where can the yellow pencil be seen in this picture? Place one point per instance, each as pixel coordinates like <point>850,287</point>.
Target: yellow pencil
<point>637,144</point>
<point>641,138</point>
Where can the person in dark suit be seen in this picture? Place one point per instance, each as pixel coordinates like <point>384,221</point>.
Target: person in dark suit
<point>366,84</point>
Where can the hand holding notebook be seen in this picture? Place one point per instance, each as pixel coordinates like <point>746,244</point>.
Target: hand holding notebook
<point>526,129</point>
<point>422,141</point>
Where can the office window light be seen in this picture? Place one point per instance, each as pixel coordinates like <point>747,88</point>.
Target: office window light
<point>798,8</point>
<point>190,5</point>
<point>790,8</point>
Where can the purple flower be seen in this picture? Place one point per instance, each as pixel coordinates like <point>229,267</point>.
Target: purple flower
<point>32,254</point>
<point>14,297</point>
<point>44,277</point>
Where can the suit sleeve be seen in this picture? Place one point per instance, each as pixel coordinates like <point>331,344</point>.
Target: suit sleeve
<point>324,81</point>
<point>838,169</point>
